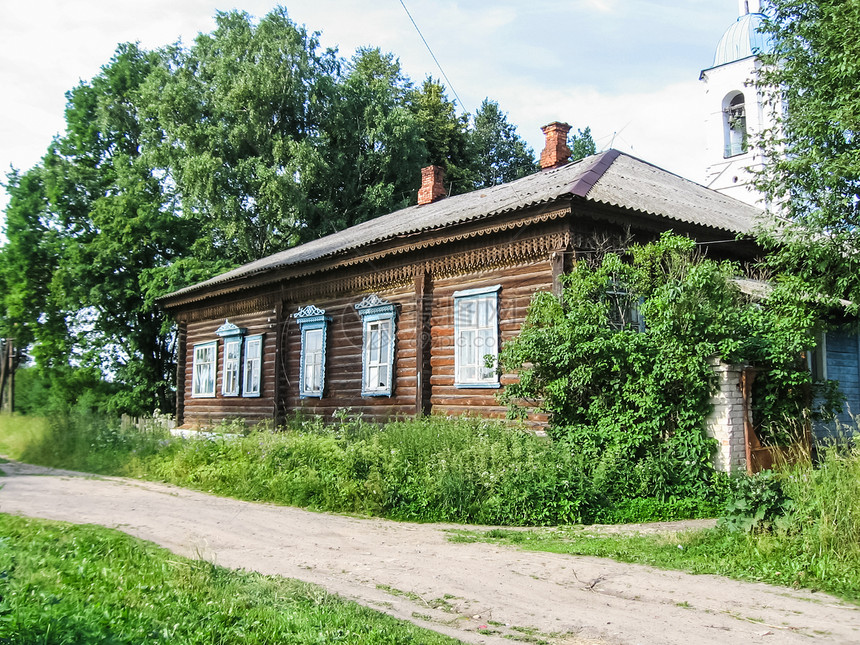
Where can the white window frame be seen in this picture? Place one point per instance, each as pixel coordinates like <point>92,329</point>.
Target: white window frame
<point>377,313</point>
<point>232,365</point>
<point>252,362</point>
<point>486,331</point>
<point>198,361</point>
<point>310,320</point>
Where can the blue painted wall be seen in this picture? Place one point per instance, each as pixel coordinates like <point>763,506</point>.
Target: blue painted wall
<point>842,357</point>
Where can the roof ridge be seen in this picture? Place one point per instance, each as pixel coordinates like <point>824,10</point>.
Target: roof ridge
<point>590,177</point>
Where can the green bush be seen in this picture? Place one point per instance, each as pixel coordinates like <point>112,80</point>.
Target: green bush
<point>430,469</point>
<point>622,361</point>
<point>756,502</point>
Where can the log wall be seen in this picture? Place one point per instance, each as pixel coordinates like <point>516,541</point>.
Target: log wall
<point>343,364</point>
<point>207,411</point>
<point>518,284</point>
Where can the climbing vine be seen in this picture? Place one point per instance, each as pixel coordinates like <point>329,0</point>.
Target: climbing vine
<point>622,360</point>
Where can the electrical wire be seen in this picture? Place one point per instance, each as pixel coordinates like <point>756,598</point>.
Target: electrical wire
<point>436,60</point>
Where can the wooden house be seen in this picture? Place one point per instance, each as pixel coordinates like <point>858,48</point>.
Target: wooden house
<point>394,316</point>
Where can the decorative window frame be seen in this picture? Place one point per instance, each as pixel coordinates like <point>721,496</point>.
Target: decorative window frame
<point>374,309</point>
<point>312,318</point>
<point>232,338</point>
<point>196,391</point>
<point>460,297</point>
<point>252,366</point>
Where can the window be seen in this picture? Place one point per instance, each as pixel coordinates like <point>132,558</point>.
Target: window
<point>253,365</point>
<point>230,380</point>
<point>377,354</point>
<point>476,337</point>
<point>203,370</point>
<point>232,336</point>
<point>735,125</point>
<point>624,309</point>
<point>312,323</point>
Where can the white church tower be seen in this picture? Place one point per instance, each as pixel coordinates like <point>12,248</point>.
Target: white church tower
<point>736,111</point>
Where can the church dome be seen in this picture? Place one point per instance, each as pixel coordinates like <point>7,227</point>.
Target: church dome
<point>742,40</point>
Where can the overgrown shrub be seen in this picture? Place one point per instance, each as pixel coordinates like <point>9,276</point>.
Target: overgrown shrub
<point>429,469</point>
<point>622,362</point>
<point>756,502</point>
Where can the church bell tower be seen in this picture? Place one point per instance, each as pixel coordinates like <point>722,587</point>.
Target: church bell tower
<point>736,113</point>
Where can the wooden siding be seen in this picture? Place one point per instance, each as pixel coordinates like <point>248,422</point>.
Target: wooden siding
<point>843,365</point>
<point>518,284</point>
<point>343,364</point>
<point>207,411</point>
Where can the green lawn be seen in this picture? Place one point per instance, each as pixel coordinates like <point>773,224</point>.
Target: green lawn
<point>62,584</point>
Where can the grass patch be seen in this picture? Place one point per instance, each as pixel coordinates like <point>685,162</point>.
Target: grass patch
<point>431,470</point>
<point>63,583</point>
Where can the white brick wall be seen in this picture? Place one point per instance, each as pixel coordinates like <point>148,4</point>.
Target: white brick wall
<point>726,421</point>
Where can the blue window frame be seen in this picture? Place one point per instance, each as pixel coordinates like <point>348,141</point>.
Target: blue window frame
<point>313,324</point>
<point>377,346</point>
<point>230,374</point>
<point>476,337</point>
<point>203,369</point>
<point>253,364</point>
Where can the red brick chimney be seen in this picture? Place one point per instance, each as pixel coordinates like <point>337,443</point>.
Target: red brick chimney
<point>432,185</point>
<point>555,152</point>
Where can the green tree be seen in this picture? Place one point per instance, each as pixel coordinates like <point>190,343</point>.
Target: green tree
<point>445,134</point>
<point>91,232</point>
<point>498,153</point>
<point>637,394</point>
<point>581,144</point>
<point>238,116</point>
<point>371,147</point>
<point>812,174</point>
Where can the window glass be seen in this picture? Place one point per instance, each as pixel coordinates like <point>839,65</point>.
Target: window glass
<point>313,323</point>
<point>203,369</point>
<point>253,365</point>
<point>313,359</point>
<point>377,351</point>
<point>476,337</point>
<point>230,379</point>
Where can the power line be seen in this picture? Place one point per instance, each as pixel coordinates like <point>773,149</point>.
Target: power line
<point>436,60</point>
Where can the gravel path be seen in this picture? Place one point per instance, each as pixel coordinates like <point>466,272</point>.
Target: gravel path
<point>412,571</point>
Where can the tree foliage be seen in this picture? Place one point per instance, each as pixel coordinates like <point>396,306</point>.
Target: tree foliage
<point>581,144</point>
<point>498,153</point>
<point>630,392</point>
<point>812,177</point>
<point>179,163</point>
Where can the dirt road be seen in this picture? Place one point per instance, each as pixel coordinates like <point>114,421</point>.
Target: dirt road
<point>412,571</point>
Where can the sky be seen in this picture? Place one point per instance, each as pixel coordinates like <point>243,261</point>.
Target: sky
<point>628,69</point>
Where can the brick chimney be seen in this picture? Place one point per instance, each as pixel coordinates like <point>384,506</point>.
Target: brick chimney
<point>555,152</point>
<point>432,185</point>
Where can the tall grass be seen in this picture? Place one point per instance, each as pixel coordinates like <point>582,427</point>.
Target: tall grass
<point>429,469</point>
<point>65,584</point>
<point>823,522</point>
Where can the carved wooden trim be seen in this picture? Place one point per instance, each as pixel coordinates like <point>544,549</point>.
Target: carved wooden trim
<point>226,309</point>
<point>540,218</point>
<point>329,263</point>
<point>518,252</point>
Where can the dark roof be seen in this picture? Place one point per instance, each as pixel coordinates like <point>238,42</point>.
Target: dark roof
<point>610,177</point>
